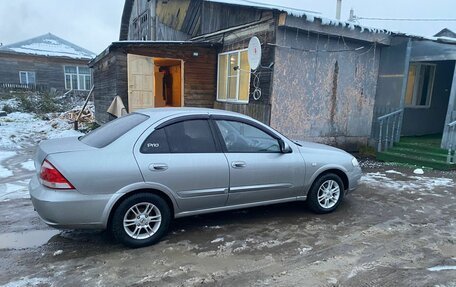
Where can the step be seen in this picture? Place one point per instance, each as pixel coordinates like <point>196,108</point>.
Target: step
<point>390,156</point>
<point>421,147</point>
<point>419,153</point>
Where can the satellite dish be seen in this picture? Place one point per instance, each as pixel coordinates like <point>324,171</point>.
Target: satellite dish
<point>254,53</point>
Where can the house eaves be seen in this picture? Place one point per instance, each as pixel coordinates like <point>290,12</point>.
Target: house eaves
<point>148,44</point>
<point>315,22</point>
<point>335,28</point>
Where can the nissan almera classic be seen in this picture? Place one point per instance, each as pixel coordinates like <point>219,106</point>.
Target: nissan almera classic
<point>135,174</point>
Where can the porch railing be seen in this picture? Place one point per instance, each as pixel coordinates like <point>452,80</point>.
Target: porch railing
<point>389,130</point>
<point>451,158</point>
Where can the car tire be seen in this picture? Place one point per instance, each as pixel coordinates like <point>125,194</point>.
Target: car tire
<point>325,194</point>
<point>141,220</point>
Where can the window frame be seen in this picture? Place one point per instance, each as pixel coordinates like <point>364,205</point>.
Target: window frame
<point>227,100</point>
<point>27,82</point>
<point>213,131</point>
<point>215,118</point>
<point>416,84</point>
<point>80,86</point>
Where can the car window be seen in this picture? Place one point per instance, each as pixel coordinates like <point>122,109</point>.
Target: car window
<point>242,137</point>
<point>108,133</point>
<point>192,136</point>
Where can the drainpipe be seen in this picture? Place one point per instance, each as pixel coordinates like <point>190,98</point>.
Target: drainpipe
<point>404,85</point>
<point>338,9</point>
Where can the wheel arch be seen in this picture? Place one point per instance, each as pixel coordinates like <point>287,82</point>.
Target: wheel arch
<point>334,170</point>
<point>168,199</point>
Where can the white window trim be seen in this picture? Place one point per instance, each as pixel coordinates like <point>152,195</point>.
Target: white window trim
<point>415,86</point>
<point>27,82</point>
<point>227,100</point>
<point>77,78</point>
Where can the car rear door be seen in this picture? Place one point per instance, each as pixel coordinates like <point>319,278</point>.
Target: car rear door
<point>183,156</point>
<point>259,171</point>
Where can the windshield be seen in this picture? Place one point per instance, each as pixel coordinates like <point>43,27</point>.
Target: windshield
<point>108,133</point>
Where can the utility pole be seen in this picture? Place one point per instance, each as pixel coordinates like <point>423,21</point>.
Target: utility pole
<point>338,9</point>
<point>153,20</point>
<point>352,17</point>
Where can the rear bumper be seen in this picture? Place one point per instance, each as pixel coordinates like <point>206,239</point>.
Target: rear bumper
<point>68,208</point>
<point>353,179</point>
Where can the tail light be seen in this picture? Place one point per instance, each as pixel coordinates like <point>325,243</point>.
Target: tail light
<point>52,178</point>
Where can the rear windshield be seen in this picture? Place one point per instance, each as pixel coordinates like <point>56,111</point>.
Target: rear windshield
<point>113,130</point>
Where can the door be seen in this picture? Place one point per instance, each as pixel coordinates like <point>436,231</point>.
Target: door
<point>259,171</point>
<point>140,82</point>
<point>184,157</point>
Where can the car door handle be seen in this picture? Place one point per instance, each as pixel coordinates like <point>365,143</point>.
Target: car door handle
<point>238,164</point>
<point>158,166</point>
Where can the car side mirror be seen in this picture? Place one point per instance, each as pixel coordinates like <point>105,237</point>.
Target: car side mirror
<point>284,147</point>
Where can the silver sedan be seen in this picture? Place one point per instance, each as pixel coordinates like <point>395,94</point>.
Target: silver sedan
<point>134,175</point>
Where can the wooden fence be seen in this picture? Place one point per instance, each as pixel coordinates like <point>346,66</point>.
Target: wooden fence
<point>27,87</point>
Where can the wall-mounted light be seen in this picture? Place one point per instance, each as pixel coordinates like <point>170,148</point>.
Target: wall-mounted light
<point>195,54</point>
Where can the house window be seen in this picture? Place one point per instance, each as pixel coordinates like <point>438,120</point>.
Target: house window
<point>77,78</point>
<point>233,81</point>
<point>26,77</point>
<point>420,85</point>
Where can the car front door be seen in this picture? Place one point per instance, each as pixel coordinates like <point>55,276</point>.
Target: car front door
<point>185,158</point>
<point>259,171</point>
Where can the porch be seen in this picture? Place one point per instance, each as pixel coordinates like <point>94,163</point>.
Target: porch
<point>415,113</point>
<point>419,150</point>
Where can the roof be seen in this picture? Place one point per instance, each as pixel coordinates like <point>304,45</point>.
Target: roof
<point>48,45</point>
<point>309,16</point>
<point>446,33</point>
<point>125,21</point>
<point>299,14</point>
<point>148,44</point>
<point>261,5</point>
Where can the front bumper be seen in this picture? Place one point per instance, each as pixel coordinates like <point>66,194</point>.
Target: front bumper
<point>353,178</point>
<point>68,208</point>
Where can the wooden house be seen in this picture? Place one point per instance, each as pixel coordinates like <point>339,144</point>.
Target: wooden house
<point>45,61</point>
<point>319,79</point>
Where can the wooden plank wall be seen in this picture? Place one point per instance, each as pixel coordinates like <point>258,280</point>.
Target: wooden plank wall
<point>49,71</point>
<point>221,16</point>
<point>259,109</point>
<point>110,75</point>
<point>199,71</point>
<point>110,79</point>
<point>181,16</point>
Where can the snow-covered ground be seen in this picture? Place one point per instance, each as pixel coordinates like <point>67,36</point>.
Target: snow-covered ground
<point>4,155</point>
<point>19,132</point>
<point>398,181</point>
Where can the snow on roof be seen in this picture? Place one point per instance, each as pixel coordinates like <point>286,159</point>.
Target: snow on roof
<point>49,45</point>
<point>310,16</point>
<point>290,10</point>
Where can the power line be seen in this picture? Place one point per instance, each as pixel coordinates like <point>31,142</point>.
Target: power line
<point>407,19</point>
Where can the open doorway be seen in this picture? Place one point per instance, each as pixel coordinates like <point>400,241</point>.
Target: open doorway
<point>168,82</point>
<point>154,82</point>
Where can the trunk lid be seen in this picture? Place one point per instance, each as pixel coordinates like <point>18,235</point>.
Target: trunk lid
<point>60,145</point>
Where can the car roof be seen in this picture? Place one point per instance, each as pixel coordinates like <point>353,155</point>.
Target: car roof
<point>167,112</point>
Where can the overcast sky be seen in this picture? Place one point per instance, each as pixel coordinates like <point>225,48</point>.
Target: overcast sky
<point>94,24</point>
